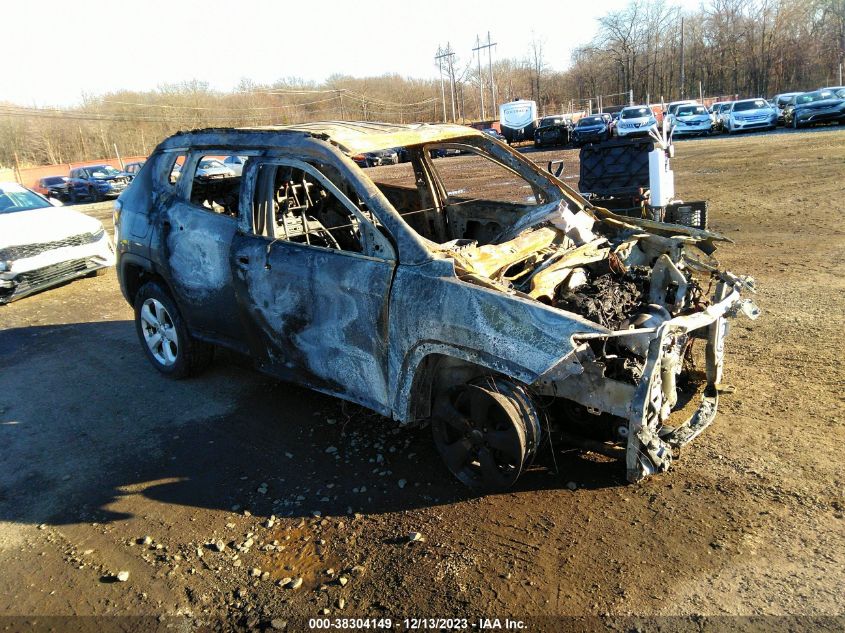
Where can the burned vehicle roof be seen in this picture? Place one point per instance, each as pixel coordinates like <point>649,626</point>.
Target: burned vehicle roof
<point>355,137</point>
<point>437,289</point>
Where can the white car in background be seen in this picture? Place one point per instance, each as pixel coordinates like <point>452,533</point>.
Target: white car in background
<point>691,120</point>
<point>235,163</point>
<point>751,114</point>
<point>211,168</point>
<point>43,245</point>
<point>635,121</point>
<point>672,109</point>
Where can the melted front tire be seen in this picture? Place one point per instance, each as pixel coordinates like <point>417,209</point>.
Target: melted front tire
<point>486,431</point>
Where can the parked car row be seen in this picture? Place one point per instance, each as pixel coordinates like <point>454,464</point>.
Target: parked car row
<point>690,118</point>
<point>791,109</point>
<point>595,128</point>
<point>90,183</point>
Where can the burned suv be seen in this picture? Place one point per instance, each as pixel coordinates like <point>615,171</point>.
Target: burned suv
<point>480,294</point>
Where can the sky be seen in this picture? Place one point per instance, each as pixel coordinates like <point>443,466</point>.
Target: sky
<point>62,50</point>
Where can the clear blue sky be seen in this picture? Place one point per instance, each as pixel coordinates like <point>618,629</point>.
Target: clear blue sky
<point>58,51</point>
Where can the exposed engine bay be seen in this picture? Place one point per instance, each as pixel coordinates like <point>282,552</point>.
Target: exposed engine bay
<point>649,291</point>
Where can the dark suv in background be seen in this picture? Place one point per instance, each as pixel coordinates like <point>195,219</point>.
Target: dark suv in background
<point>552,130</point>
<point>96,182</point>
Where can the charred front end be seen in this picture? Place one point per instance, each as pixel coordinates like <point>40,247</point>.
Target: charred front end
<point>650,382</point>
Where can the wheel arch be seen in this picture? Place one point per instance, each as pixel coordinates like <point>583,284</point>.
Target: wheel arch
<point>425,369</point>
<point>135,271</point>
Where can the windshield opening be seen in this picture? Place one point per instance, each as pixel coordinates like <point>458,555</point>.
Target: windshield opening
<point>476,193</point>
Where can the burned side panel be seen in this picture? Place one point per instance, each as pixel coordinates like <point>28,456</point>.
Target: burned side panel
<point>195,247</point>
<point>316,316</point>
<point>434,312</point>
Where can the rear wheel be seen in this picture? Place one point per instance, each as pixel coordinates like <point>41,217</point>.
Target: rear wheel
<point>164,336</point>
<point>486,431</point>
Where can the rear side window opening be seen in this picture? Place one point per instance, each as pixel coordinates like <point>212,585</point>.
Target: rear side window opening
<point>214,186</point>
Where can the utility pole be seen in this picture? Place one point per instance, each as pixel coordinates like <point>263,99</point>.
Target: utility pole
<point>477,51</point>
<point>451,59</point>
<point>489,46</point>
<point>441,54</point>
<point>682,59</point>
<point>119,159</point>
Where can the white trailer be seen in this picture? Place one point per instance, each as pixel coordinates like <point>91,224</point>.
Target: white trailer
<point>518,120</point>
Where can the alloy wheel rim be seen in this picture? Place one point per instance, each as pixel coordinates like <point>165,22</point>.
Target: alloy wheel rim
<point>159,332</point>
<point>477,433</point>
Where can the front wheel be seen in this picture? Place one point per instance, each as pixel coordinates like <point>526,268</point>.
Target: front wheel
<point>487,431</point>
<point>164,337</point>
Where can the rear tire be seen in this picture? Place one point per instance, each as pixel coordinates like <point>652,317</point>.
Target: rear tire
<point>165,338</point>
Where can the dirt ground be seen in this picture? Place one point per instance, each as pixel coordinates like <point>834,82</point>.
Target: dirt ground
<point>98,452</point>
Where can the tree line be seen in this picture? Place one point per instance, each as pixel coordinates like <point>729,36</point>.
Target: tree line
<point>650,48</point>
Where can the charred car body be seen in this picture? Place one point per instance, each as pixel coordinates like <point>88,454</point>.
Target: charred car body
<point>427,302</point>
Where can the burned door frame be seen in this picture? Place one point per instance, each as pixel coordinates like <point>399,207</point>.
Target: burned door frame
<point>315,315</point>
<point>197,244</point>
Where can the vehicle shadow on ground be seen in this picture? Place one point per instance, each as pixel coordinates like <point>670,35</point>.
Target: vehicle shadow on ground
<point>88,427</point>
